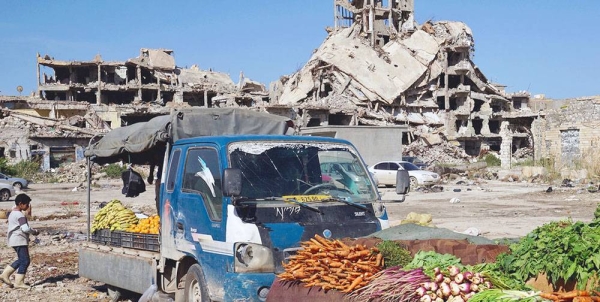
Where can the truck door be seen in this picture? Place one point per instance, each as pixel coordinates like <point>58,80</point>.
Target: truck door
<point>201,211</point>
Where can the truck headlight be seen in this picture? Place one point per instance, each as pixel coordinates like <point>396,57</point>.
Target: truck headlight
<point>251,257</point>
<point>379,209</point>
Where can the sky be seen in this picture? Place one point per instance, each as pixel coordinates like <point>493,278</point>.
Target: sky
<point>549,47</point>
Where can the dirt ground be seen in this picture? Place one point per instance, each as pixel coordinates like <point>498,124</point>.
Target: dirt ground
<point>495,209</point>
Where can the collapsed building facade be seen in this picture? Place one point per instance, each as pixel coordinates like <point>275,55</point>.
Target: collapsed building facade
<point>377,67</point>
<point>77,100</point>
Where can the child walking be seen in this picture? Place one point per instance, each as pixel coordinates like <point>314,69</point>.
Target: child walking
<point>18,238</point>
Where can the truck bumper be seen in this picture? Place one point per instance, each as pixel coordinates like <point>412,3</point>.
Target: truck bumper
<point>246,287</point>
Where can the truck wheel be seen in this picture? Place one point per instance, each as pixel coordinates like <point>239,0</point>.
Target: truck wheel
<point>4,195</point>
<point>195,285</point>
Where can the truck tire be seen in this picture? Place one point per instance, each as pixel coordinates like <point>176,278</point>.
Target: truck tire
<point>4,195</point>
<point>195,285</point>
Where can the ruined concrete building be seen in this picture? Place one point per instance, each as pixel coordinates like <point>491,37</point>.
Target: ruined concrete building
<point>77,100</point>
<point>568,133</point>
<point>377,67</point>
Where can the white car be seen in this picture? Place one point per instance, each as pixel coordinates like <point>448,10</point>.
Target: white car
<point>6,191</point>
<point>385,173</point>
<point>17,182</point>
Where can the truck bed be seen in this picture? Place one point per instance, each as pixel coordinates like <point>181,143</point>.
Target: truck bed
<point>125,268</point>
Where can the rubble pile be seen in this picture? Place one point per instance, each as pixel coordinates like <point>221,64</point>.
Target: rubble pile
<point>34,126</point>
<point>444,152</point>
<point>75,172</point>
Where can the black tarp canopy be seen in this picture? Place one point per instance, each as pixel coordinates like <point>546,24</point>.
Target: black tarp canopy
<point>144,142</point>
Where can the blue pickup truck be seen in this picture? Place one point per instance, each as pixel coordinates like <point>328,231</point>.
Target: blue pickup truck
<point>234,206</point>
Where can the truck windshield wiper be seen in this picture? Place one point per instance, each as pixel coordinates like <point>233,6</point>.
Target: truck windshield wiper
<point>304,205</point>
<point>348,202</point>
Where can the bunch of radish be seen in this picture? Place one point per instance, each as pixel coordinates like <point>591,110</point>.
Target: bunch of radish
<point>452,286</point>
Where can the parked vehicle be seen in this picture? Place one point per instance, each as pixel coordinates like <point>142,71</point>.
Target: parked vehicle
<point>234,206</point>
<point>6,191</point>
<point>386,171</point>
<point>415,161</point>
<point>19,183</point>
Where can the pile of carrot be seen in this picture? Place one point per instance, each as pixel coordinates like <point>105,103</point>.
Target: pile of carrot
<point>572,296</point>
<point>331,264</point>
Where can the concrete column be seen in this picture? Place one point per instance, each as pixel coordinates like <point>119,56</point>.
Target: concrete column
<point>205,99</point>
<point>446,96</point>
<point>39,92</point>
<point>178,97</point>
<point>158,93</point>
<point>139,80</point>
<point>99,93</point>
<point>335,16</point>
<point>505,146</point>
<point>485,128</point>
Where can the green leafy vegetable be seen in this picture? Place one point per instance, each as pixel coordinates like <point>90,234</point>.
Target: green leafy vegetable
<point>394,254</point>
<point>430,260</point>
<point>563,250</point>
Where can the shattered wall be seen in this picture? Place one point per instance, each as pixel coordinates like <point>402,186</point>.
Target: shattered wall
<point>569,132</point>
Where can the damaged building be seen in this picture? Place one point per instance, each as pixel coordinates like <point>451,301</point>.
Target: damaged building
<point>77,100</point>
<point>379,67</point>
<point>568,133</point>
<point>376,68</point>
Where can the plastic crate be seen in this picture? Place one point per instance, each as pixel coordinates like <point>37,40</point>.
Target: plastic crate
<point>107,237</point>
<point>148,242</point>
<point>101,236</point>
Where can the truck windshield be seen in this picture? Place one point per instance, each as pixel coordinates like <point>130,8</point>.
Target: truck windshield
<point>314,171</point>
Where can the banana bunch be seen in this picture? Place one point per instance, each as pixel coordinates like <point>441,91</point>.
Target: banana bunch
<point>114,216</point>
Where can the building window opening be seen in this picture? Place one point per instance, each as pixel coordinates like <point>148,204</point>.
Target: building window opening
<point>118,97</point>
<point>453,81</point>
<point>495,147</point>
<point>313,122</point>
<point>168,96</point>
<point>131,73</point>
<point>472,147</point>
<point>194,99</point>
<point>517,104</point>
<point>460,123</point>
<point>325,89</point>
<point>55,96</point>
<point>147,77</point>
<point>441,102</point>
<point>148,95</point>
<point>83,75</point>
<point>453,104</point>
<point>339,119</point>
<point>477,125</point>
<point>477,106</point>
<point>496,107</point>
<point>494,126</point>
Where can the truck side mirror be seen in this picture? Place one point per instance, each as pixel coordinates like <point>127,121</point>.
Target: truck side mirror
<point>402,182</point>
<point>232,182</point>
